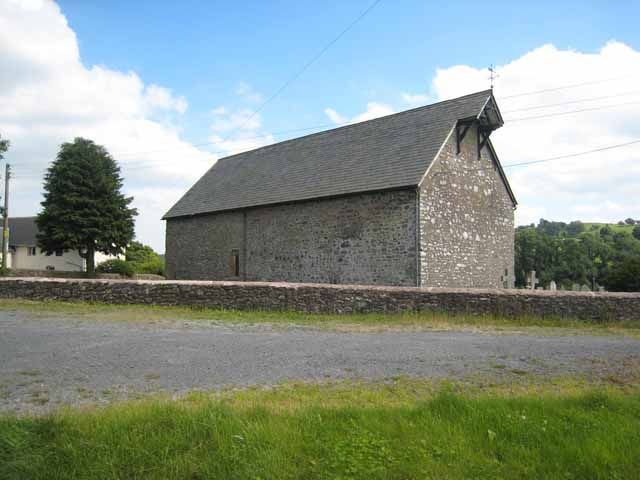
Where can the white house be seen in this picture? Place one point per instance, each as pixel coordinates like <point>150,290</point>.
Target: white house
<point>24,254</point>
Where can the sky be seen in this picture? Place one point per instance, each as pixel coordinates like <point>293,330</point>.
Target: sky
<point>170,87</point>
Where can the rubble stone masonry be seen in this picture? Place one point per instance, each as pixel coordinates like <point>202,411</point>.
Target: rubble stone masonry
<point>329,298</point>
<point>466,220</point>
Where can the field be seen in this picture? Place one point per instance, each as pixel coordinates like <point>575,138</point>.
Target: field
<point>400,430</point>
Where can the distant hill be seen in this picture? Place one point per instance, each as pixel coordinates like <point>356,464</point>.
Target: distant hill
<point>614,226</point>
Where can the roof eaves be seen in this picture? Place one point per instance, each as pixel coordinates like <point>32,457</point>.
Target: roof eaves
<point>407,186</point>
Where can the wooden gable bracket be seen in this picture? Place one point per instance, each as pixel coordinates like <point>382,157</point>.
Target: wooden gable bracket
<point>483,138</point>
<point>461,130</point>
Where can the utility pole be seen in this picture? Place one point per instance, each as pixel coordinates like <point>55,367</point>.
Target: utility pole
<point>5,222</point>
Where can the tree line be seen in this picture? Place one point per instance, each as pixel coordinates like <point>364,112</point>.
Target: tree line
<point>596,255</point>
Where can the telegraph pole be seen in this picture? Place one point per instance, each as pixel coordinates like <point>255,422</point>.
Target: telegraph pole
<point>5,222</point>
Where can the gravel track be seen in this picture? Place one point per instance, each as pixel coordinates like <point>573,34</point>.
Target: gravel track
<point>47,362</point>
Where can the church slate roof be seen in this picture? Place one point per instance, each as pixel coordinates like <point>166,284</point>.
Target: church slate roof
<point>385,153</point>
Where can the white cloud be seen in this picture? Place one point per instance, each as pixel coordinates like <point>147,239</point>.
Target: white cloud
<point>246,92</point>
<point>47,96</point>
<point>243,119</point>
<point>236,131</point>
<point>374,110</point>
<point>415,99</point>
<point>241,142</point>
<point>599,186</point>
<point>334,116</point>
<point>162,98</point>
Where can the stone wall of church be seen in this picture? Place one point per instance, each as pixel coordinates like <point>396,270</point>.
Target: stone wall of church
<point>367,238</point>
<point>466,220</point>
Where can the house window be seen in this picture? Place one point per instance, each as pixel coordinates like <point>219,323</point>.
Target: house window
<point>58,253</point>
<point>31,251</point>
<point>235,263</point>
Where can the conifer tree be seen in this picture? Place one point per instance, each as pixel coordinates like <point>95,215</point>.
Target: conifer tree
<point>84,208</point>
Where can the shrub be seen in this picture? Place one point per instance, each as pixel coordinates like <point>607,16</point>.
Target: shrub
<point>116,266</point>
<point>153,265</point>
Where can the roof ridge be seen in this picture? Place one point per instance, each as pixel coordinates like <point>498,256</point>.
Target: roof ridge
<point>351,125</point>
<point>386,152</point>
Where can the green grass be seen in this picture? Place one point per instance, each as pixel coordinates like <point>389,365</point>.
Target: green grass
<point>338,322</point>
<point>405,430</point>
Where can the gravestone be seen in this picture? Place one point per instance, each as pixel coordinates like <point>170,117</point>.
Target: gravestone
<point>531,280</point>
<point>552,286</point>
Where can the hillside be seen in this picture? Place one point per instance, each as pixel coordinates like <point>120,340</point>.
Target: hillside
<point>591,255</point>
<point>613,226</point>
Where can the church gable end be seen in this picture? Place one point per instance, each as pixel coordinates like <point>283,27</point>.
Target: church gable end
<point>466,217</point>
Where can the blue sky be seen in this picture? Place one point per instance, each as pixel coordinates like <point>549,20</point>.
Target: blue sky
<point>170,87</point>
<point>203,49</point>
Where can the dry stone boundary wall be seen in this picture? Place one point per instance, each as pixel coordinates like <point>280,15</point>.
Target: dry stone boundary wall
<point>323,298</point>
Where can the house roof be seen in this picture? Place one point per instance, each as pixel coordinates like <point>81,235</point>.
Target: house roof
<point>385,153</point>
<point>22,231</point>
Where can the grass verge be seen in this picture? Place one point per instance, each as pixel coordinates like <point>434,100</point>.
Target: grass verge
<point>340,322</point>
<point>403,430</point>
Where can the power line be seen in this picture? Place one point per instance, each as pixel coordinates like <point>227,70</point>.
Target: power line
<point>564,87</point>
<point>531,162</point>
<point>571,155</point>
<point>134,164</point>
<point>283,87</point>
<point>592,99</point>
<point>550,159</point>
<point>558,114</point>
<point>335,125</point>
<point>219,142</point>
<point>142,164</point>
<point>313,60</point>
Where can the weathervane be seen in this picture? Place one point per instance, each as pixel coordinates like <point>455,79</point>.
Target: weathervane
<point>492,75</point>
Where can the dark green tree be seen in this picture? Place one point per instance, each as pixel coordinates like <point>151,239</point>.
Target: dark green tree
<point>624,276</point>
<point>84,208</point>
<point>139,252</point>
<point>4,146</point>
<point>569,253</point>
<point>143,259</point>
<point>575,228</point>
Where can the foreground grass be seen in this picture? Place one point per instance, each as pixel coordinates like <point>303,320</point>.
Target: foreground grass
<point>340,322</point>
<point>347,431</point>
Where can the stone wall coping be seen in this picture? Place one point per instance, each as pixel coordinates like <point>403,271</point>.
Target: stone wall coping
<point>327,286</point>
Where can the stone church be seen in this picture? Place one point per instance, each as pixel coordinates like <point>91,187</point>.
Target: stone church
<point>417,198</point>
